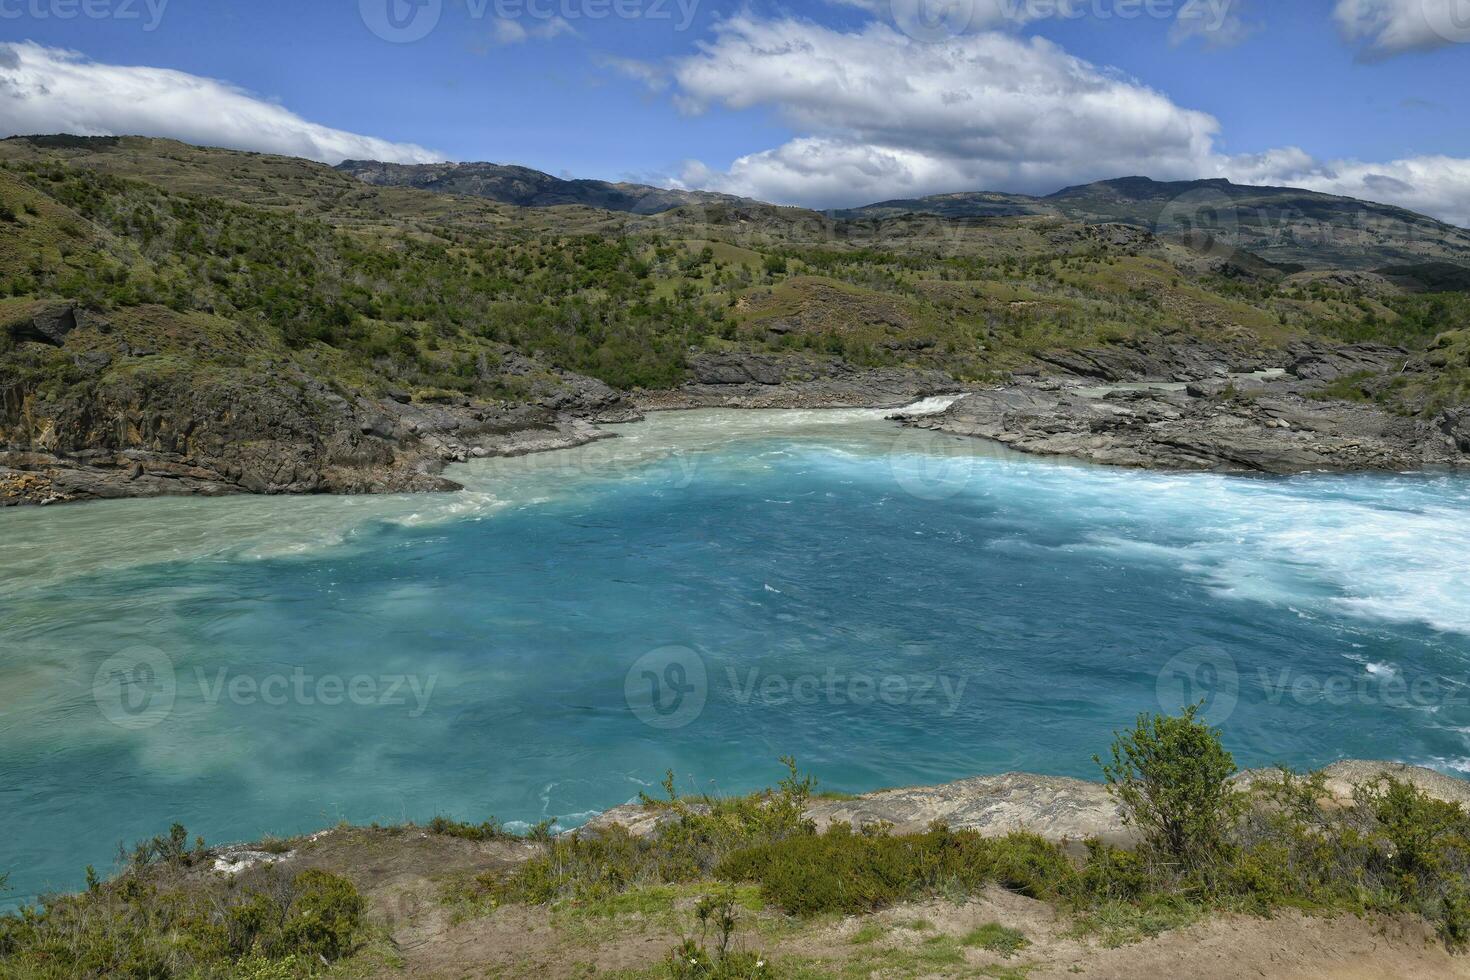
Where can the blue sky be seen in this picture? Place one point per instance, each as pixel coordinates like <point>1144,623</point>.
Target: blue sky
<point>817,103</point>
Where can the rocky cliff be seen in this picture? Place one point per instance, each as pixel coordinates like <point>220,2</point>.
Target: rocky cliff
<point>134,421</point>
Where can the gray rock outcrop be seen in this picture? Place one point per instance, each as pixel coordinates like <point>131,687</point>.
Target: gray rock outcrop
<point>1056,808</point>
<point>1250,425</point>
<point>754,380</point>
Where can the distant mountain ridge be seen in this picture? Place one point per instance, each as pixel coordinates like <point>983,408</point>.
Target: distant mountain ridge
<point>525,187</point>
<point>1284,225</point>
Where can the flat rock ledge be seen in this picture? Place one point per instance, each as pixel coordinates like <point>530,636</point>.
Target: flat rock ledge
<point>764,381</point>
<point>1189,412</point>
<point>1056,808</point>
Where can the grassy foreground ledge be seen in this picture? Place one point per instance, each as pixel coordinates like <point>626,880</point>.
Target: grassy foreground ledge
<point>735,885</point>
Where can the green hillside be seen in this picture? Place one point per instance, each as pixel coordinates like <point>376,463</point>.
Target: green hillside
<point>368,288</point>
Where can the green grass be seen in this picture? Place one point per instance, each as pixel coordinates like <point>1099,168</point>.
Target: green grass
<point>997,939</point>
<point>1119,923</point>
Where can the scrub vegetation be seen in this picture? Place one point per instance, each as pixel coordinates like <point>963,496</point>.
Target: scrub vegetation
<point>1207,844</point>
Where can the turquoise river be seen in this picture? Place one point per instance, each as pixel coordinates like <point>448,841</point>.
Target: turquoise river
<point>705,593</point>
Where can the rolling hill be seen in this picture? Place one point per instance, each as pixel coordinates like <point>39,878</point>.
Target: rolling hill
<point>525,187</point>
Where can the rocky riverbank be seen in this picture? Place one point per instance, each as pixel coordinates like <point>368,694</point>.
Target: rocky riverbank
<point>738,380</point>
<point>140,421</point>
<point>273,446</point>
<point>135,421</point>
<point>1204,409</point>
<point>421,898</point>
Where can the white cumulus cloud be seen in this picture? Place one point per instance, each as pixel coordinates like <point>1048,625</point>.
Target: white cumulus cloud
<point>883,114</point>
<point>49,90</point>
<point>508,31</point>
<point>1433,185</point>
<point>880,115</point>
<point>1391,27</point>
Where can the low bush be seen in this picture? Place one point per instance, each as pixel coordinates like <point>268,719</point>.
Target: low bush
<point>489,830</point>
<point>711,955</point>
<point>696,835</point>
<point>157,920</point>
<point>172,848</point>
<point>1170,778</point>
<point>851,874</point>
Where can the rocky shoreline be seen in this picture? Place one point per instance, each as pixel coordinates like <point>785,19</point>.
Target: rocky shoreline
<point>371,446</point>
<point>1210,411</point>
<point>1057,808</point>
<point>1175,402</point>
<point>143,422</point>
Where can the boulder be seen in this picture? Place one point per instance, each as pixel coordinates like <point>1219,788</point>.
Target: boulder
<point>49,325</point>
<point>1455,423</point>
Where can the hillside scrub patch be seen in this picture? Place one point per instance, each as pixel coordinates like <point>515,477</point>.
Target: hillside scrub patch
<point>158,922</point>
<point>1207,845</point>
<point>699,833</point>
<point>855,873</point>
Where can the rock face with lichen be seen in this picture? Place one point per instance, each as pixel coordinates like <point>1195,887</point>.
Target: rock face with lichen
<point>1051,806</point>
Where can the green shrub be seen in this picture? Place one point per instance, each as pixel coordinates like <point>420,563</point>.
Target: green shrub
<point>694,838</point>
<point>182,927</point>
<point>1112,874</point>
<point>1427,837</point>
<point>1169,776</point>
<point>691,961</point>
<point>711,956</point>
<point>324,917</point>
<point>1453,919</point>
<point>171,849</point>
<point>851,874</point>
<point>489,830</point>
